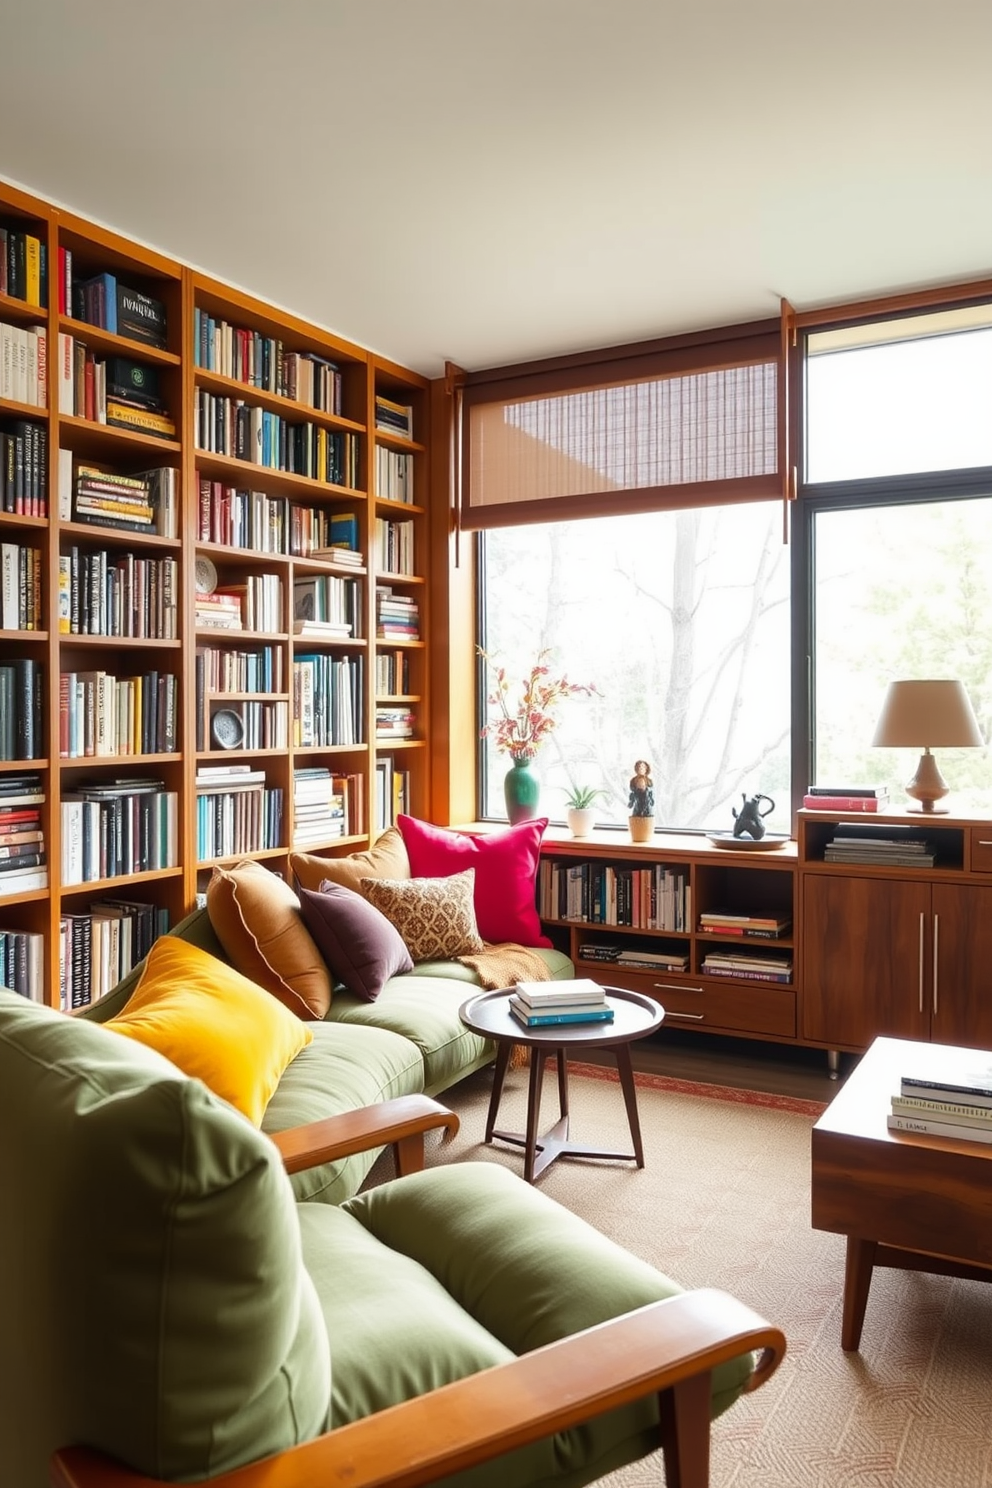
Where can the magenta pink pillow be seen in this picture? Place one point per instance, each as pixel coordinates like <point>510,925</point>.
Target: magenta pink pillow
<point>505,866</point>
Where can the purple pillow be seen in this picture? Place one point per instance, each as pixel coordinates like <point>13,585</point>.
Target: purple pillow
<point>362,949</point>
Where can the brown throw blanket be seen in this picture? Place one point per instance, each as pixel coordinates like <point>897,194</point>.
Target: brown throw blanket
<point>504,964</point>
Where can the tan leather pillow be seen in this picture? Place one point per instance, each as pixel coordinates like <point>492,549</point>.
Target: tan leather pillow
<point>256,917</point>
<point>386,859</point>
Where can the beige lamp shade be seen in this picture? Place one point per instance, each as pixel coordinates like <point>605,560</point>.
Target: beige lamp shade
<point>927,715</point>
<point>924,715</point>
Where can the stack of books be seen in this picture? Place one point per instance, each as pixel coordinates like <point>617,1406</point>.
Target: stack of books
<point>904,847</point>
<point>847,798</point>
<point>747,968</point>
<point>769,926</point>
<point>956,1108</point>
<point>538,1004</point>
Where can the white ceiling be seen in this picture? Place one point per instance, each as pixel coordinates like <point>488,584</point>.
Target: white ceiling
<point>494,180</point>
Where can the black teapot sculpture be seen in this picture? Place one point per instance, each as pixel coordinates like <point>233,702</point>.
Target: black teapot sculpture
<point>747,821</point>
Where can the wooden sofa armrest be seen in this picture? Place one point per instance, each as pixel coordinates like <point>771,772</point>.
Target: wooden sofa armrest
<point>400,1123</point>
<point>667,1348</point>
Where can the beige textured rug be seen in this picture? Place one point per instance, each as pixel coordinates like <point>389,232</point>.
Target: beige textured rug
<point>724,1201</point>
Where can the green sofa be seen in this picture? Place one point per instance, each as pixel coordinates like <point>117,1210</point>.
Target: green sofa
<point>169,1305</point>
<point>409,1040</point>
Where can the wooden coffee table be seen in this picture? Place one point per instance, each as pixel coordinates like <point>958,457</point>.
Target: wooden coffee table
<point>914,1202</point>
<point>634,1017</point>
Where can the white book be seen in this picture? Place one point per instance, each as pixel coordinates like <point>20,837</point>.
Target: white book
<point>549,994</point>
<point>913,1125</point>
<point>65,378</point>
<point>10,586</point>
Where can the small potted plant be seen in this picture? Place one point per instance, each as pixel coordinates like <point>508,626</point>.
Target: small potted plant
<point>580,801</point>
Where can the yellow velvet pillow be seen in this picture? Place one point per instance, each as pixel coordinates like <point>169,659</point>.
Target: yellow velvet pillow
<point>213,1024</point>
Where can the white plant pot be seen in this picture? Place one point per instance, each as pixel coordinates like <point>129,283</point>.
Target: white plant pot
<point>580,820</point>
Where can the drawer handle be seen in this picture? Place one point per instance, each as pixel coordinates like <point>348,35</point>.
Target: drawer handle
<point>690,1017</point>
<point>677,987</point>
<point>984,842</point>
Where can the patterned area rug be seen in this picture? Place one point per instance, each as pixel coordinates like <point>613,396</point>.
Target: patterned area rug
<point>724,1201</point>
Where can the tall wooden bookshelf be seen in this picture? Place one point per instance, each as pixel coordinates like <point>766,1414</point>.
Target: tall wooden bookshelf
<point>271,447</point>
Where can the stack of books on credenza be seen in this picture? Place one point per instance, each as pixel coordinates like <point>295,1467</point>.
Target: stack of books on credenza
<point>864,842</point>
<point>957,1108</point>
<point>540,1004</point>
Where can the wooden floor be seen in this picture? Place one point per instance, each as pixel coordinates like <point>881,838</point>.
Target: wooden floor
<point>747,1064</point>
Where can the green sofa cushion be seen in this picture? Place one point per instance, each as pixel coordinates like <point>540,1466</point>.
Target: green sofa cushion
<point>424,1010</point>
<point>158,1258</point>
<point>347,1066</point>
<point>537,1275</point>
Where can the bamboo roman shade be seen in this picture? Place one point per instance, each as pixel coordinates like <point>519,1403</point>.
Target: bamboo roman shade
<point>683,422</point>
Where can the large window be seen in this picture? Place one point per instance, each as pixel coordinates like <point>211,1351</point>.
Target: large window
<point>898,506</point>
<point>681,621</point>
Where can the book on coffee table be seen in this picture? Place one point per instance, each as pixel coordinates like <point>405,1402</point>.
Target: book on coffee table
<point>564,1013</point>
<point>581,990</point>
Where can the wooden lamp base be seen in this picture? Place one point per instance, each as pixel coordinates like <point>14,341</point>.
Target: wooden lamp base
<point>927,785</point>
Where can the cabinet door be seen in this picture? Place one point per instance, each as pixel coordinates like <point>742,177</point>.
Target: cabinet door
<point>865,948</point>
<point>962,956</point>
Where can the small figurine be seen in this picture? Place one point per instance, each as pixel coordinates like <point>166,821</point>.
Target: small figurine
<point>641,801</point>
<point>748,819</point>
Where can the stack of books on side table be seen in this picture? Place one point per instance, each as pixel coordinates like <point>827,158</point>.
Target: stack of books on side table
<point>960,1109</point>
<point>538,1004</point>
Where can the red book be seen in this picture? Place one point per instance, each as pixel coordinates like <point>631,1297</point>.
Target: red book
<point>843,803</point>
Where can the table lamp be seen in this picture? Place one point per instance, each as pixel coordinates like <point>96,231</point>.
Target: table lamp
<point>924,715</point>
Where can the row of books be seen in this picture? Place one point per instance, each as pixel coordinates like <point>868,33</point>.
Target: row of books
<point>103,301</point>
<point>650,898</point>
<point>542,1004</point>
<point>118,827</point>
<point>328,700</point>
<point>22,963</point>
<point>393,475</point>
<point>397,615</point>
<point>392,674</point>
<point>633,958</point>
<point>318,806</point>
<point>147,501</point>
<point>118,595</point>
<point>24,364</point>
<point>20,587</point>
<point>101,390</point>
<point>747,968</point>
<point>863,842</point>
<point>23,265</point>
<point>393,418</point>
<point>22,842</point>
<point>236,812</point>
<point>392,792</point>
<point>100,946</point>
<point>265,362</point>
<point>771,926</point>
<point>24,469</point>
<point>21,709</point>
<point>394,546</point>
<point>101,714</point>
<point>330,598</point>
<point>254,604</point>
<point>847,798</point>
<point>959,1107</point>
<point>227,426</point>
<point>260,522</point>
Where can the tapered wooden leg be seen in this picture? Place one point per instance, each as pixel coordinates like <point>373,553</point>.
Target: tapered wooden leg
<point>857,1281</point>
<point>499,1075</point>
<point>626,1074</point>
<point>562,1083</point>
<point>685,1432</point>
<point>537,1058</point>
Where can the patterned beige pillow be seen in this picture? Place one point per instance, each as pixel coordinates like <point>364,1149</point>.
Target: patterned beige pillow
<point>435,916</point>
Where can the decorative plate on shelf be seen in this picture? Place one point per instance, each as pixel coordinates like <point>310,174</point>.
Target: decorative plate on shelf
<point>206,576</point>
<point>227,728</point>
<point>768,843</point>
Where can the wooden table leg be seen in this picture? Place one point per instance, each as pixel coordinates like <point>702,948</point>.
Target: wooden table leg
<point>626,1074</point>
<point>499,1075</point>
<point>562,1083</point>
<point>537,1058</point>
<point>857,1280</point>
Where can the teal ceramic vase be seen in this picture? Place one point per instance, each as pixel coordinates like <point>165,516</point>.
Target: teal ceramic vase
<point>521,791</point>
